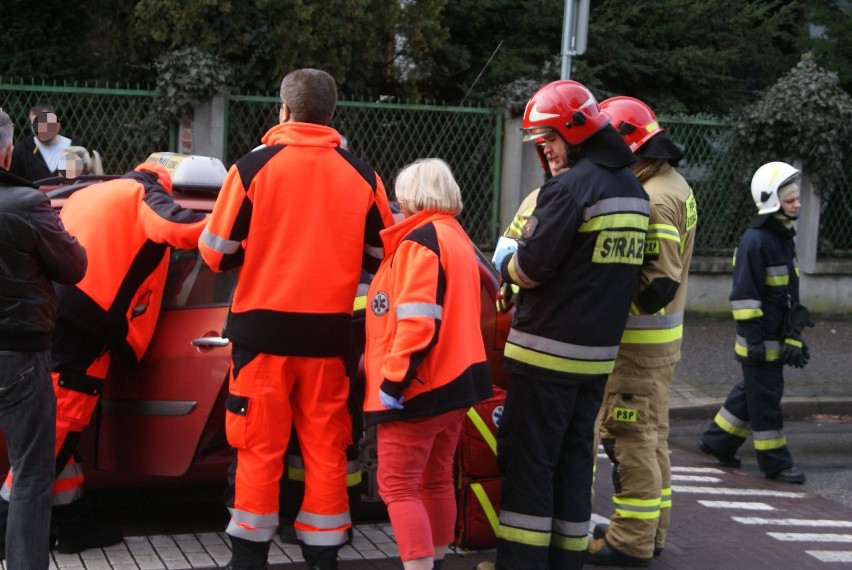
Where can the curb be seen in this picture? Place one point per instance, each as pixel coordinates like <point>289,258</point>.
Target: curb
<point>706,408</point>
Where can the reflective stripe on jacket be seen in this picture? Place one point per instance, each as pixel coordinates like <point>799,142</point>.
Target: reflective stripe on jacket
<point>765,281</point>
<point>654,339</point>
<point>577,264</point>
<point>301,216</point>
<point>423,335</point>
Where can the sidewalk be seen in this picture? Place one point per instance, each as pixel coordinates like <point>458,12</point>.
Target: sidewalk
<point>707,370</point>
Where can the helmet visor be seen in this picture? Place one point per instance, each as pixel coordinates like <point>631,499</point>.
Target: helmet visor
<point>532,133</point>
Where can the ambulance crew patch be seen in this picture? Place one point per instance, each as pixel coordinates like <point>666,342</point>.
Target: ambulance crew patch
<point>625,246</point>
<point>380,304</point>
<point>530,226</point>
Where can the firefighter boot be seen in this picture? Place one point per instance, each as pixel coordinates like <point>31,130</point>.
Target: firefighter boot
<point>602,554</point>
<point>77,529</point>
<point>320,557</point>
<point>726,460</point>
<point>600,532</point>
<point>248,555</point>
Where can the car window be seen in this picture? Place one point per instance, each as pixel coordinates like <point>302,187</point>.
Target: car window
<point>191,283</point>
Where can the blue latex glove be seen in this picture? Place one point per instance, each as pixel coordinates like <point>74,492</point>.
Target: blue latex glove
<point>390,402</point>
<point>504,248</point>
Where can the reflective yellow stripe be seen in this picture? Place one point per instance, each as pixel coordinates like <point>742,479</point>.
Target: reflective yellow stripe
<point>663,231</point>
<point>571,543</point>
<point>777,281</point>
<point>767,444</point>
<point>360,303</point>
<point>487,507</point>
<point>793,342</point>
<point>521,536</point>
<point>353,479</point>
<point>295,474</point>
<point>556,363</point>
<point>645,509</point>
<point>627,221</point>
<point>483,430</point>
<point>666,498</point>
<point>652,336</point>
<point>746,314</point>
<point>729,427</point>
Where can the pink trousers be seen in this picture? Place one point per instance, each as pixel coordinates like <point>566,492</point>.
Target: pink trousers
<point>416,481</point>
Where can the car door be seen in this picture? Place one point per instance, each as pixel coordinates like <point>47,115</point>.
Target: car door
<point>153,415</point>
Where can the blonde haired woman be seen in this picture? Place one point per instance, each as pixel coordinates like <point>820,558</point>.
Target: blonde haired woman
<point>425,360</point>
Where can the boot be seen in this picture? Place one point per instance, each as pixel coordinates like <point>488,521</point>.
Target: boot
<point>436,564</point>
<point>320,557</point>
<point>286,530</point>
<point>77,529</point>
<point>248,555</point>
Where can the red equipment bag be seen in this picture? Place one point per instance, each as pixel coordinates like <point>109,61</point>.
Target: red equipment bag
<point>477,451</point>
<point>478,508</point>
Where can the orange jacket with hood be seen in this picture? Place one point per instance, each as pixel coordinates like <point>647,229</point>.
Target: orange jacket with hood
<point>301,216</point>
<point>127,227</point>
<point>423,337</point>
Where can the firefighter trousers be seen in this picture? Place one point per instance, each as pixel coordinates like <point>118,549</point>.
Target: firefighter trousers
<point>754,406</point>
<point>267,394</point>
<point>634,432</point>
<point>545,456</point>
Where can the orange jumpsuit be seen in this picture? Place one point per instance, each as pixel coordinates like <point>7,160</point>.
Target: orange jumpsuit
<point>127,227</point>
<point>302,217</point>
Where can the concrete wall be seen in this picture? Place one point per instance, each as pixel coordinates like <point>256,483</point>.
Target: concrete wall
<point>825,286</point>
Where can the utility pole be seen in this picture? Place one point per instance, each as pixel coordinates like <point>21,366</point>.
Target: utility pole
<point>575,31</point>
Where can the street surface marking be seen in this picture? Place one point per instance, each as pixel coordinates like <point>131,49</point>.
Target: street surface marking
<point>737,492</point>
<point>695,479</point>
<point>737,505</point>
<point>708,470</point>
<point>830,555</point>
<point>793,522</point>
<point>810,537</point>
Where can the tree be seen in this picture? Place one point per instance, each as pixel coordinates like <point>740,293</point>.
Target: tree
<point>688,56</point>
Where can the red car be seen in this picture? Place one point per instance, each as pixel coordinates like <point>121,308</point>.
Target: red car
<point>163,420</point>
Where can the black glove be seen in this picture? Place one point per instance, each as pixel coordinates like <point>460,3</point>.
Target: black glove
<point>756,353</point>
<point>794,352</point>
<point>798,317</point>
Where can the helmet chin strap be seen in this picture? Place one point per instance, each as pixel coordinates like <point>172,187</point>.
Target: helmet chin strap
<point>784,217</point>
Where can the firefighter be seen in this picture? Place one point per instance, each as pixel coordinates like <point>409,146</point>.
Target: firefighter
<point>577,263</point>
<point>302,217</point>
<point>634,416</point>
<point>769,321</point>
<point>127,226</point>
<point>552,163</point>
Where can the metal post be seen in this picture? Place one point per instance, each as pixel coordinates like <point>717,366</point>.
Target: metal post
<point>567,33</point>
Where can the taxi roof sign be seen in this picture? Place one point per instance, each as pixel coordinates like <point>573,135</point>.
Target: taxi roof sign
<point>191,170</point>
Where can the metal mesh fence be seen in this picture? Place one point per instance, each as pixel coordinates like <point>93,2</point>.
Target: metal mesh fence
<point>109,120</point>
<point>390,136</point>
<point>835,226</point>
<point>717,177</point>
<point>116,123</point>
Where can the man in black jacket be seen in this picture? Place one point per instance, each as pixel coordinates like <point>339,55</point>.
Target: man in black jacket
<point>39,155</point>
<point>35,250</point>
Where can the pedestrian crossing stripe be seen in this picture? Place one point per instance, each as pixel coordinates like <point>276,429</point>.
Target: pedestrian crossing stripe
<point>830,555</point>
<point>695,479</point>
<point>746,506</point>
<point>737,492</point>
<point>810,537</point>
<point>706,470</point>
<point>793,522</point>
